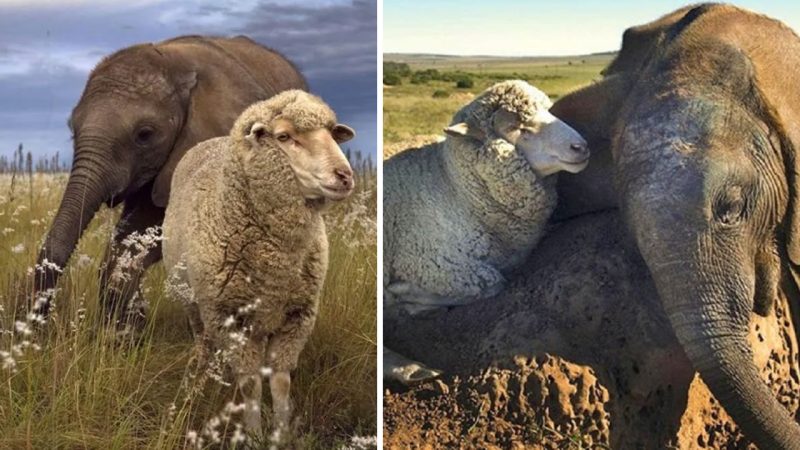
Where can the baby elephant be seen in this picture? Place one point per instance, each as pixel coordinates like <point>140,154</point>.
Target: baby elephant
<point>245,243</point>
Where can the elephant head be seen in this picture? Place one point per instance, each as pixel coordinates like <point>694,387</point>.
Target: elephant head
<point>141,110</point>
<point>705,164</point>
<point>695,130</point>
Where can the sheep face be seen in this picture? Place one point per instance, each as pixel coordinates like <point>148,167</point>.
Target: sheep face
<point>518,113</point>
<point>314,155</point>
<point>549,144</point>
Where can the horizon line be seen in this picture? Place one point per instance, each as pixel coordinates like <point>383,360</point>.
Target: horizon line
<point>452,55</point>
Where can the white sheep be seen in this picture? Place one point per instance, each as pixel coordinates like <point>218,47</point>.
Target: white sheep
<point>461,214</point>
<point>245,243</point>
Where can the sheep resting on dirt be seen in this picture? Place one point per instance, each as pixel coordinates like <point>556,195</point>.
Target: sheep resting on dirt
<point>245,244</point>
<point>461,214</point>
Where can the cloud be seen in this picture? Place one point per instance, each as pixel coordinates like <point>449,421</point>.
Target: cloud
<point>58,4</point>
<point>48,48</point>
<point>323,40</point>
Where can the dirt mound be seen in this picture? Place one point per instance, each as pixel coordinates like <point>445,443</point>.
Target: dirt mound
<point>540,400</point>
<point>577,351</point>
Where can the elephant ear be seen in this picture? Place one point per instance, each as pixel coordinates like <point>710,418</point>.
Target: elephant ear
<point>789,134</point>
<point>592,112</point>
<point>185,84</point>
<point>782,113</point>
<point>640,43</point>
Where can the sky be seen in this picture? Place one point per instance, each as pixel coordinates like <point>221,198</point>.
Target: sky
<point>48,48</point>
<point>532,27</point>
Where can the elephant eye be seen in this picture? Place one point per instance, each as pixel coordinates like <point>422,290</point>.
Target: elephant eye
<point>144,135</point>
<point>730,208</point>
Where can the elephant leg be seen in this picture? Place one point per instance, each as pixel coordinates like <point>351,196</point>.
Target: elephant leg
<point>131,251</point>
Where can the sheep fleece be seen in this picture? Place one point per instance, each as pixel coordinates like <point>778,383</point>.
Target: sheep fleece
<point>459,214</point>
<point>239,244</point>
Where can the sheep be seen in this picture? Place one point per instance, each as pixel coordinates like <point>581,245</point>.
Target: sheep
<point>245,245</point>
<point>461,214</point>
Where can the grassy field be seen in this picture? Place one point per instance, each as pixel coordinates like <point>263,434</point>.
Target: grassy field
<point>411,110</point>
<point>75,386</point>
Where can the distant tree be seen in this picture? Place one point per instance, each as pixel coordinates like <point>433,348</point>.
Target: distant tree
<point>20,158</point>
<point>29,164</point>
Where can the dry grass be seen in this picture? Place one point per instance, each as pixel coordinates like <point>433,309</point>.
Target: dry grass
<point>83,389</point>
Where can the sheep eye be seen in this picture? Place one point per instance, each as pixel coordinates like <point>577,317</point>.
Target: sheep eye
<point>282,137</point>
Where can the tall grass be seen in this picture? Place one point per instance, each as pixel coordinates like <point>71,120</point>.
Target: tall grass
<point>82,388</point>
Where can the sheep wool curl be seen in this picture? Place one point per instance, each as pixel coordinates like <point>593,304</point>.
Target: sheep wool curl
<point>245,251</point>
<point>461,214</point>
<point>515,96</point>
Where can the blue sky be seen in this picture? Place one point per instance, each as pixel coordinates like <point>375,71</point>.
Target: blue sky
<point>48,47</point>
<point>531,27</point>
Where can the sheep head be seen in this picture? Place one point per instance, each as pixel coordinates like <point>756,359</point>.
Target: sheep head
<point>304,129</point>
<point>519,113</point>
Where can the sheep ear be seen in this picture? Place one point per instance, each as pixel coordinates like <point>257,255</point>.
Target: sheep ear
<point>342,133</point>
<point>462,129</point>
<point>258,131</point>
<point>505,121</point>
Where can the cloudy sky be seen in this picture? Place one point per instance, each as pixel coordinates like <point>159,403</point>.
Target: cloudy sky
<point>48,47</point>
<point>532,27</point>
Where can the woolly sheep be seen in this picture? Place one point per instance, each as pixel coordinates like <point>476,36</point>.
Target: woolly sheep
<point>245,244</point>
<point>461,214</point>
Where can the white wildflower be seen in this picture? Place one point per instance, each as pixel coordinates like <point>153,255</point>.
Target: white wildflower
<point>19,248</point>
<point>22,328</point>
<point>238,435</point>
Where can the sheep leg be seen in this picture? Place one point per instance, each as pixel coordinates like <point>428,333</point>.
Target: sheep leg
<point>250,386</point>
<point>398,367</point>
<point>415,300</point>
<point>283,352</point>
<point>280,384</point>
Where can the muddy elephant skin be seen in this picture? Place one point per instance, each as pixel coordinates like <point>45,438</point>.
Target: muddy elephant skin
<point>695,128</point>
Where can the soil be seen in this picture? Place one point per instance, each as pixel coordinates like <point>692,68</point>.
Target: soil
<point>576,353</point>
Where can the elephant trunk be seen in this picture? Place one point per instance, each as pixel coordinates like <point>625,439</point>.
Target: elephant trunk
<point>86,190</point>
<point>722,355</point>
<point>707,292</point>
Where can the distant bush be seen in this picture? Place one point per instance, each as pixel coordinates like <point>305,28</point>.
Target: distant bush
<point>392,79</point>
<point>441,94</point>
<point>400,69</point>
<point>464,83</point>
<point>424,76</point>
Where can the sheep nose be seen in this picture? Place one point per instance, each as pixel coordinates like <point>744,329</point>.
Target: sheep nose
<point>345,176</point>
<point>579,148</point>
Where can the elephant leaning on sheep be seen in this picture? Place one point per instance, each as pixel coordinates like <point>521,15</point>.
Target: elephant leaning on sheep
<point>143,107</point>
